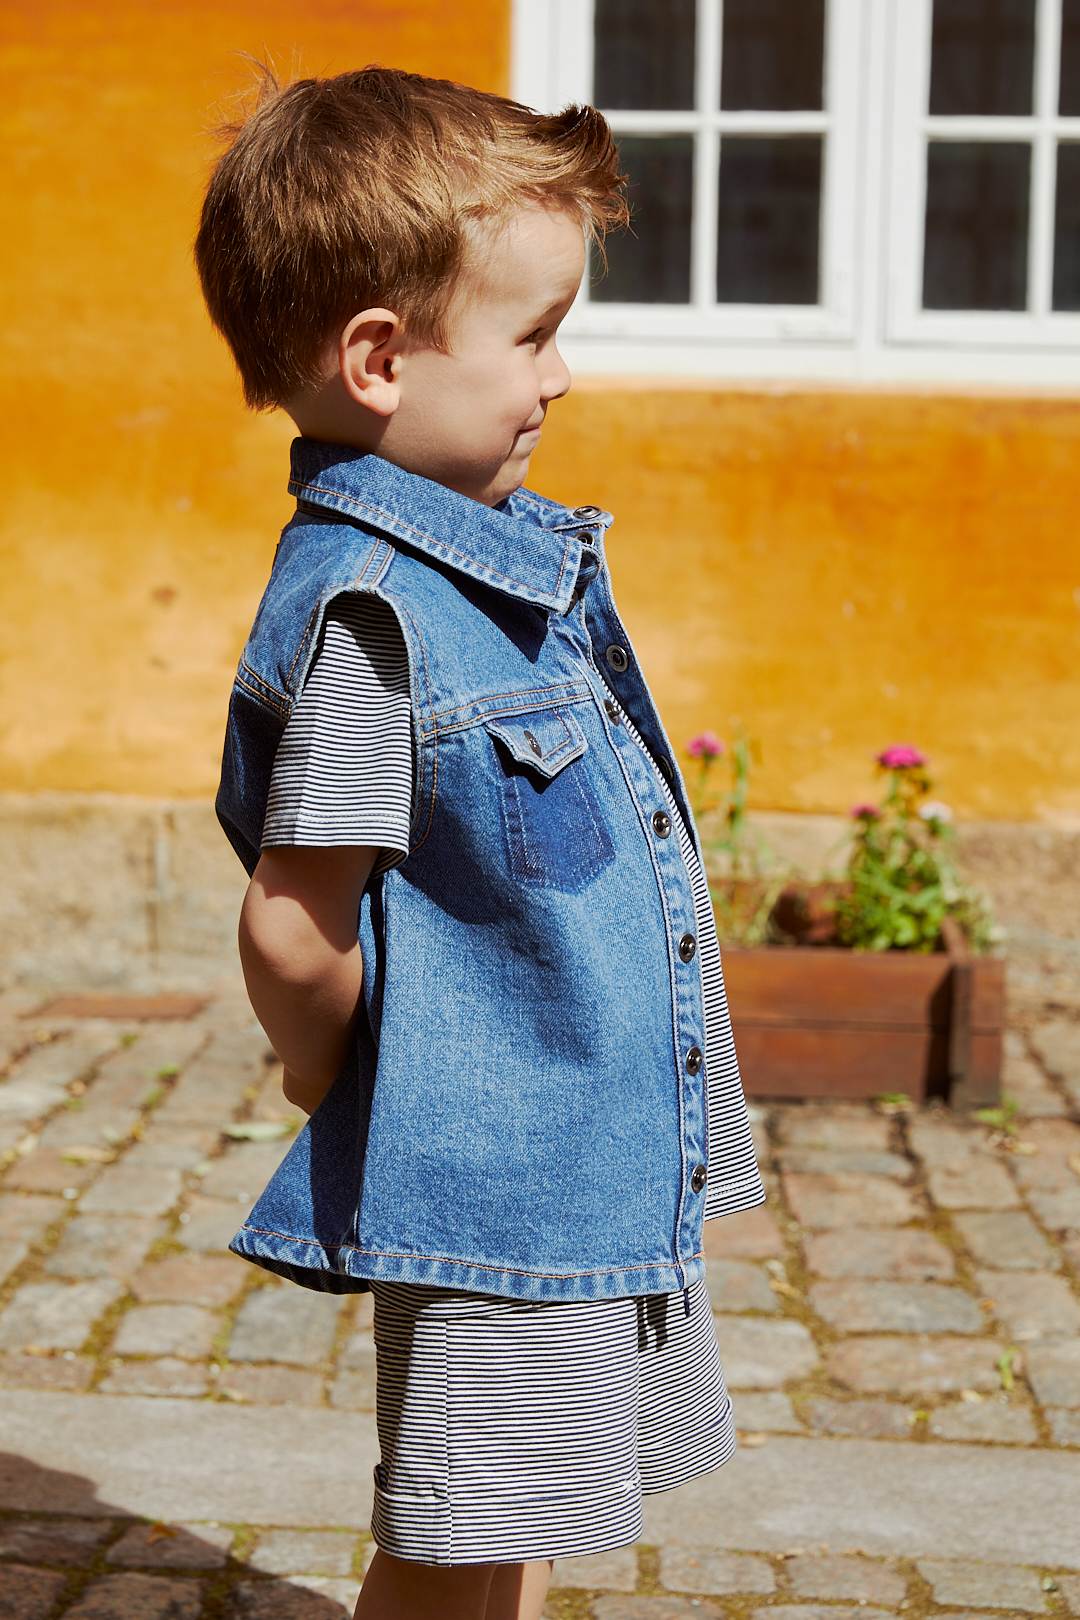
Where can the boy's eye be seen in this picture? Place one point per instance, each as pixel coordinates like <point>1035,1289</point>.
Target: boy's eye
<point>535,337</point>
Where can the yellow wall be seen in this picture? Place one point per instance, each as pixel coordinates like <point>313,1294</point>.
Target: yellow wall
<point>843,570</point>
<point>838,571</point>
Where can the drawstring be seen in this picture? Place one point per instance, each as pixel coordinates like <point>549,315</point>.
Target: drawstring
<point>686,1300</point>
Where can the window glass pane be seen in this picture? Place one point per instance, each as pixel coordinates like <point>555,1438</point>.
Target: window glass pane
<point>1069,98</point>
<point>982,56</point>
<point>976,225</point>
<point>1067,229</point>
<point>652,266</point>
<point>772,54</point>
<point>770,206</point>
<point>644,54</point>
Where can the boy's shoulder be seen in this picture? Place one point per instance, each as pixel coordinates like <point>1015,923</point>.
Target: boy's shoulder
<point>364,524</point>
<point>317,557</point>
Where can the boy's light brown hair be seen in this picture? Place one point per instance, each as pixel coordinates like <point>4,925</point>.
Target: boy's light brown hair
<point>345,193</point>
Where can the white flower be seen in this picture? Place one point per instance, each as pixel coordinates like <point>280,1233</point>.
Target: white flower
<point>934,810</point>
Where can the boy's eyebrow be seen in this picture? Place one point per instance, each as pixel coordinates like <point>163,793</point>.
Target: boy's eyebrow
<point>557,303</point>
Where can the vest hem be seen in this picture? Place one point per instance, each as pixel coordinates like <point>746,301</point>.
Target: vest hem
<point>345,1269</point>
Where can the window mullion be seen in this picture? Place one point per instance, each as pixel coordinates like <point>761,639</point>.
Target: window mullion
<point>573,32</point>
<point>870,130</point>
<point>844,34</point>
<point>909,29</point>
<point>978,127</point>
<point>750,123</point>
<point>774,123</point>
<point>1044,158</point>
<point>706,157</point>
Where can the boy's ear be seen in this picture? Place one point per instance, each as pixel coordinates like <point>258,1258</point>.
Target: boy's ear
<point>369,363</point>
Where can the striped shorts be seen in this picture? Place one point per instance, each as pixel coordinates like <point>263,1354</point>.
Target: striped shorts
<point>515,1429</point>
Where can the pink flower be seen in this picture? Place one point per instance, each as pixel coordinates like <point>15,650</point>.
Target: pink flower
<point>900,756</point>
<point>865,812</point>
<point>706,745</point>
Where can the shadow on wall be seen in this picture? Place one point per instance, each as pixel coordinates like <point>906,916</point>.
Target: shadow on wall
<point>61,1544</point>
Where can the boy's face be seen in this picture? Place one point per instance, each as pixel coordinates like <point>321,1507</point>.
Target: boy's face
<point>471,419</point>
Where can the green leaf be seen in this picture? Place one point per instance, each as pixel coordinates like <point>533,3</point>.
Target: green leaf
<point>258,1130</point>
<point>1004,1366</point>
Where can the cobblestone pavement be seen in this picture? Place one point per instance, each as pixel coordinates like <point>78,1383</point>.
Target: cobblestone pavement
<point>183,1436</point>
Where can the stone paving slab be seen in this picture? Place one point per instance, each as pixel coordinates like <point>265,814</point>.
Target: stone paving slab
<point>953,1581</point>
<point>614,1571</point>
<point>28,1594</point>
<point>861,1580</point>
<point>703,1569</point>
<point>139,1597</point>
<point>862,1495</point>
<point>177,1459</point>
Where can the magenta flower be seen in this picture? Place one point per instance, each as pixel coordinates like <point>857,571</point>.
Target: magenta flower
<point>706,745</point>
<point>900,756</point>
<point>865,812</point>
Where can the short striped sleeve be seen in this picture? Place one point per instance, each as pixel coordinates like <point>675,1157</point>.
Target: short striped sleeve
<point>343,769</point>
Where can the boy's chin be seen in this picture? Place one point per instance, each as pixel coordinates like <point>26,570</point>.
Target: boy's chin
<point>511,477</point>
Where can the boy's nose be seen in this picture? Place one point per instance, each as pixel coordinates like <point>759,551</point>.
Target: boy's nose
<point>557,382</point>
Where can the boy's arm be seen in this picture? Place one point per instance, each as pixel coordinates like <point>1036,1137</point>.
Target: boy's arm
<point>301,958</point>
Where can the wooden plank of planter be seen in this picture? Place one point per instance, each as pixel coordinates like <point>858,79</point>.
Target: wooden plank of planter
<point>780,984</point>
<point>837,1061</point>
<point>824,1022</point>
<point>976,1035</point>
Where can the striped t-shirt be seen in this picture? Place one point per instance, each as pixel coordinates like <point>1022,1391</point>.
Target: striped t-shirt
<point>343,774</point>
<point>343,768</point>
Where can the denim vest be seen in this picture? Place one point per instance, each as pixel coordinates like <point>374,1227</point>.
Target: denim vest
<point>523,1110</point>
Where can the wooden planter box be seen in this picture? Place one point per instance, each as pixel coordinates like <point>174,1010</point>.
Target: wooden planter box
<point>817,1021</point>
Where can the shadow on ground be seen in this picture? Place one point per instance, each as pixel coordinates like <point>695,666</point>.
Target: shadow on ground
<point>65,1552</point>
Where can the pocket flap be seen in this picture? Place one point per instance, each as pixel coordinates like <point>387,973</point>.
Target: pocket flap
<point>545,740</point>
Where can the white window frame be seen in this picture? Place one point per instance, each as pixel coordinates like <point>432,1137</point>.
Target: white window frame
<point>554,65</point>
<point>914,127</point>
<point>869,327</point>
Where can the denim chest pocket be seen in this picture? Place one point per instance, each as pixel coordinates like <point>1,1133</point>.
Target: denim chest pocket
<point>556,832</point>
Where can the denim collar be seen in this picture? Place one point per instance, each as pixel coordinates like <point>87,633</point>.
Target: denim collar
<point>528,546</point>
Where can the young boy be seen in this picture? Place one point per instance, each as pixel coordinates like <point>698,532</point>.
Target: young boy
<point>477,931</point>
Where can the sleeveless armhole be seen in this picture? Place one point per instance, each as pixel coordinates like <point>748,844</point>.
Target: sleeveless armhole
<point>343,770</point>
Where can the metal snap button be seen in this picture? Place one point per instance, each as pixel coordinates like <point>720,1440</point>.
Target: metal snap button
<point>585,513</point>
<point>666,766</point>
<point>617,657</point>
<point>612,709</point>
<point>687,947</point>
<point>698,1177</point>
<point>694,1060</point>
<point>661,823</point>
<point>532,742</point>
